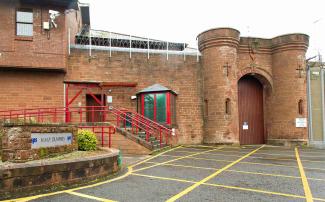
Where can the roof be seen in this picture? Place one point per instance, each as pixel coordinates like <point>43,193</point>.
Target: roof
<point>156,88</point>
<point>68,4</point>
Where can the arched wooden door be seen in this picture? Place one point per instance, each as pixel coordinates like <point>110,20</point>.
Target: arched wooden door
<point>250,107</point>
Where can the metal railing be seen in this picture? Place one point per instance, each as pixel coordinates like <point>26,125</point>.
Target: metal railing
<point>94,118</point>
<point>91,39</point>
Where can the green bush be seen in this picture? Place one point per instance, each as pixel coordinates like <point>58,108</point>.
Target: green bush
<point>87,140</point>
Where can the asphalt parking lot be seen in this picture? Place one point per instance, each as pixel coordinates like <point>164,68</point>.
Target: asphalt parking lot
<point>222,173</point>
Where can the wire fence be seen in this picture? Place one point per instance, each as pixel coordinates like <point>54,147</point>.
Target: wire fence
<point>90,39</point>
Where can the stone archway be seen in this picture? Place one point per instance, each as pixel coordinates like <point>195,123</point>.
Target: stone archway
<point>254,93</point>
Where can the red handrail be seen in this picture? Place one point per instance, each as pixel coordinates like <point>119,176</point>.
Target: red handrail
<point>66,114</point>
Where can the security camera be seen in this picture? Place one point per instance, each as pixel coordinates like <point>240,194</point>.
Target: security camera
<point>53,15</point>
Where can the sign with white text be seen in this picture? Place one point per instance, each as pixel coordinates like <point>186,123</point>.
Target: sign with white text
<point>301,122</point>
<point>40,140</point>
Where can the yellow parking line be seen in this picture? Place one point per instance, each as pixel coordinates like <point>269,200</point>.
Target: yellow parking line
<point>179,158</point>
<point>226,186</point>
<point>189,189</point>
<point>238,171</point>
<point>230,170</point>
<point>88,196</point>
<point>255,190</point>
<point>130,170</point>
<point>164,178</point>
<point>309,197</point>
<point>160,154</point>
<point>253,163</point>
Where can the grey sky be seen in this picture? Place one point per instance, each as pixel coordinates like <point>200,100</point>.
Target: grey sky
<point>183,20</point>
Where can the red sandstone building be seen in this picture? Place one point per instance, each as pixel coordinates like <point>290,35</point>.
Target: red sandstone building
<point>239,90</point>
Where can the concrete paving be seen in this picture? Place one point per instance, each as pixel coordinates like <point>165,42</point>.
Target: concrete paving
<point>222,173</point>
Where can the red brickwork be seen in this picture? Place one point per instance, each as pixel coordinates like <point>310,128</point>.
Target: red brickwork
<point>45,49</point>
<point>174,73</point>
<point>274,62</point>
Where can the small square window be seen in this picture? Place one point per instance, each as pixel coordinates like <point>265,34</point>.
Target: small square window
<point>24,22</point>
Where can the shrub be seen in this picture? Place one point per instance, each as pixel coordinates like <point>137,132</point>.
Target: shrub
<point>87,140</point>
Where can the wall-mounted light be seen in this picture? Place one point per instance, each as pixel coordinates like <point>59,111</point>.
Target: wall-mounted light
<point>133,97</point>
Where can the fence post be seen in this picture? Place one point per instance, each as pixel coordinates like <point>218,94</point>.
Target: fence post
<point>69,41</point>
<point>184,51</point>
<point>167,49</point>
<point>110,44</point>
<point>89,42</point>
<point>130,46</point>
<point>148,45</point>
<point>197,51</point>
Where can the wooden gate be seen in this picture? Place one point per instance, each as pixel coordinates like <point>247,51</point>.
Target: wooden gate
<point>250,107</point>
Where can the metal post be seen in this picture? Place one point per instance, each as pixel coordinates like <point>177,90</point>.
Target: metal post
<point>167,49</point>
<point>323,101</point>
<point>184,51</point>
<point>197,52</point>
<point>310,121</point>
<point>130,46</point>
<point>148,45</point>
<point>89,42</point>
<point>69,41</point>
<point>110,44</point>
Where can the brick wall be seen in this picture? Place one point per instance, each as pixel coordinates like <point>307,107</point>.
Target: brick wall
<point>25,89</point>
<point>175,73</point>
<point>46,49</point>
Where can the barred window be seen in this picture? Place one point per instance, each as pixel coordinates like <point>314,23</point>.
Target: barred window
<point>24,22</point>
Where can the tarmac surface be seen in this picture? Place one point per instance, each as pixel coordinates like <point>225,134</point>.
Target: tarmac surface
<point>221,173</point>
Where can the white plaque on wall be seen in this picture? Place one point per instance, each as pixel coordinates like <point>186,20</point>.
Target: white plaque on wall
<point>301,122</point>
<point>109,99</point>
<point>245,126</point>
<point>40,140</point>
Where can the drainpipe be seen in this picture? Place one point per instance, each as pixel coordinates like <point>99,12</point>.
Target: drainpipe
<point>310,120</point>
<point>323,101</point>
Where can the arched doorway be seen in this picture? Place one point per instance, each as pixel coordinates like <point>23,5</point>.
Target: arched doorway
<point>250,108</point>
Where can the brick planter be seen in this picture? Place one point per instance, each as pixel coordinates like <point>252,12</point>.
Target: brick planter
<point>30,176</point>
<point>17,142</point>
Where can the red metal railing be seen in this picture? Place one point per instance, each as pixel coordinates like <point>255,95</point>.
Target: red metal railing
<point>92,116</point>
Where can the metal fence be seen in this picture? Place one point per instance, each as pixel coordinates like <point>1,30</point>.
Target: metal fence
<point>90,39</point>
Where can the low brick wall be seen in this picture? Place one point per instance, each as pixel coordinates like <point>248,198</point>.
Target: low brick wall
<point>17,142</point>
<point>30,176</point>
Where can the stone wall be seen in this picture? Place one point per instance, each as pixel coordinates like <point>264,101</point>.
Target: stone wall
<point>24,178</point>
<point>17,142</point>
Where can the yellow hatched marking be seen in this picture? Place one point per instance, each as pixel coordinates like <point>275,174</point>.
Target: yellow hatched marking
<point>309,197</point>
<point>89,197</point>
<point>229,170</point>
<point>179,158</point>
<point>164,178</point>
<point>253,163</point>
<point>225,186</point>
<point>191,188</point>
<point>254,157</point>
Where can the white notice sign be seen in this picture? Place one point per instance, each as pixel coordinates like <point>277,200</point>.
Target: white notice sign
<point>245,126</point>
<point>109,99</point>
<point>50,139</point>
<point>301,122</point>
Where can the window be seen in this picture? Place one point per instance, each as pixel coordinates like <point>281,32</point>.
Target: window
<point>159,107</point>
<point>300,107</point>
<point>227,106</point>
<point>24,22</point>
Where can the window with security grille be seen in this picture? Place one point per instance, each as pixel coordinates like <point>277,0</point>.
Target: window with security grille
<point>24,22</point>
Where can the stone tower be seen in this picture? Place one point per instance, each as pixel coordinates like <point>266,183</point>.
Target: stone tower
<point>277,65</point>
